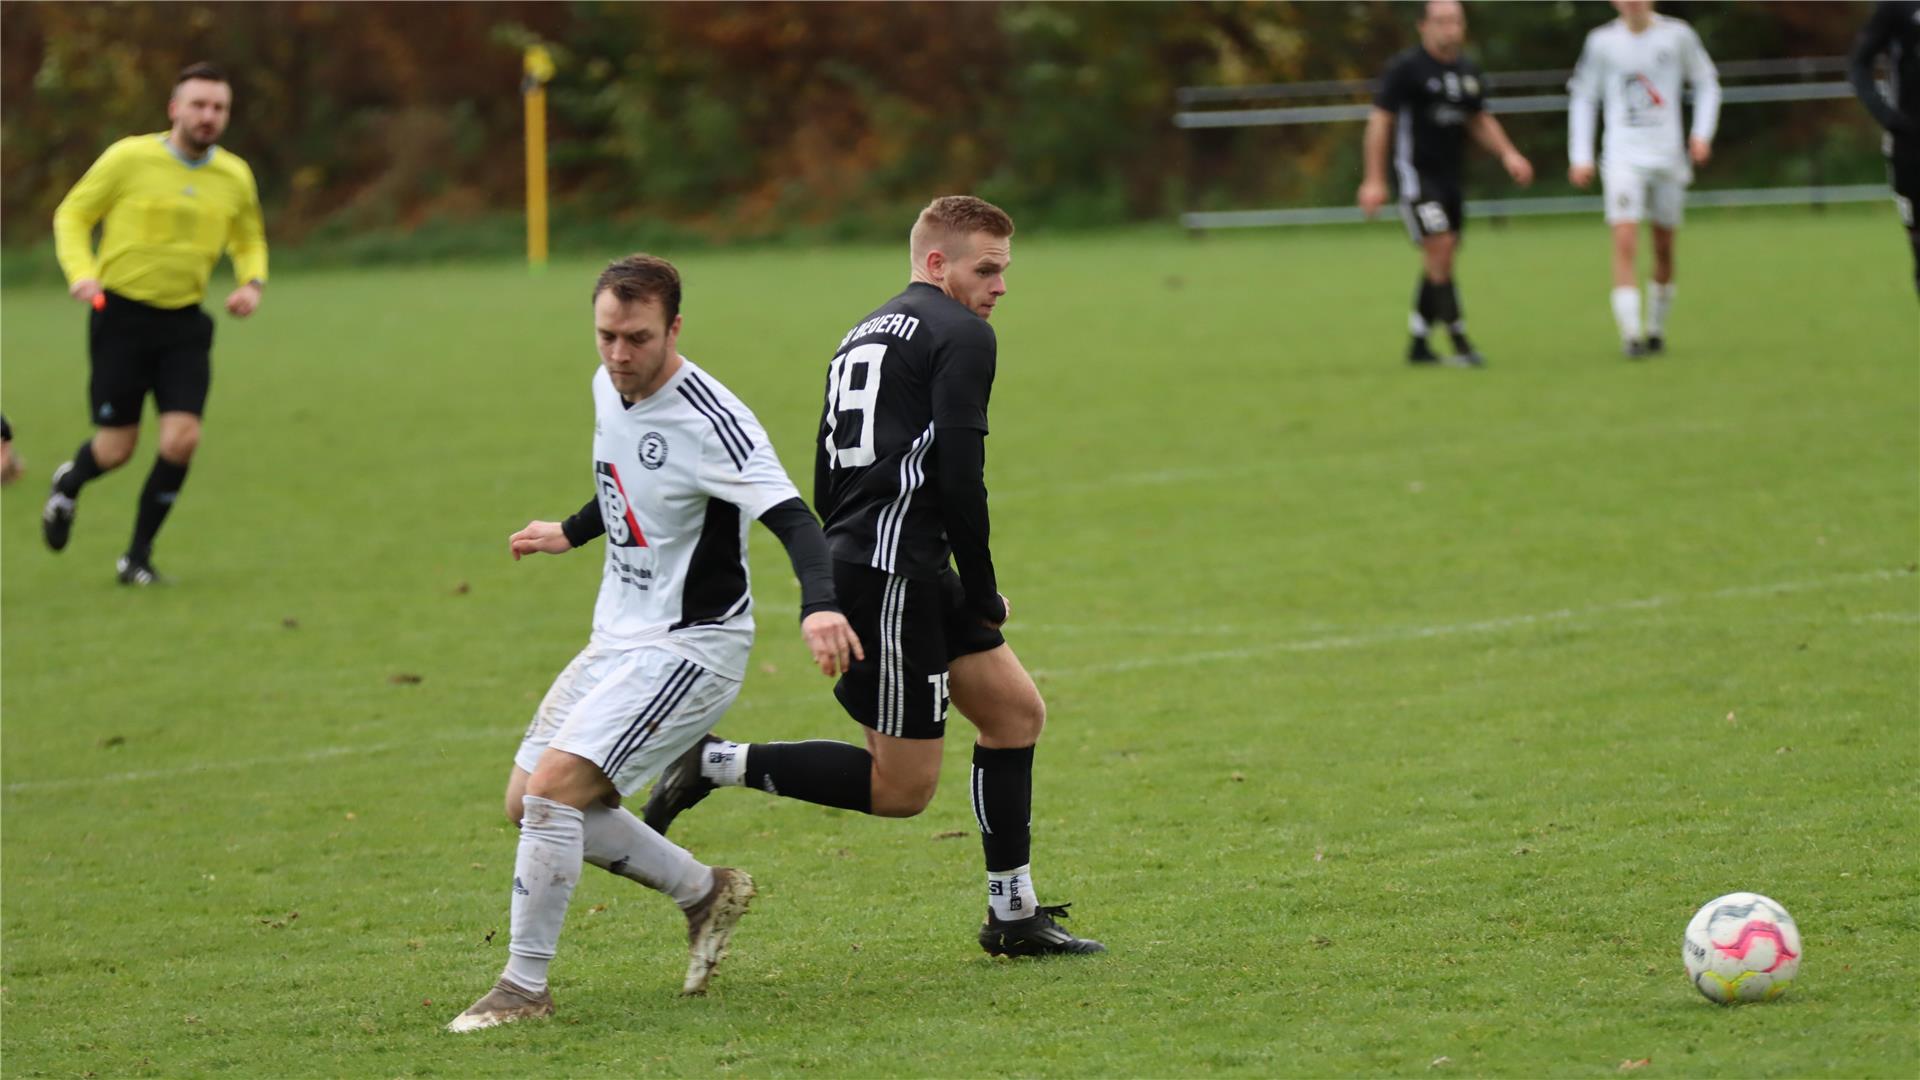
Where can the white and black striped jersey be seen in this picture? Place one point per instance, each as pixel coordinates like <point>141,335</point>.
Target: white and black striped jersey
<point>919,365</point>
<point>681,474</point>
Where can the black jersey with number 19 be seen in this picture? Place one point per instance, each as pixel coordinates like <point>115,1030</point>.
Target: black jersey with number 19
<point>919,364</point>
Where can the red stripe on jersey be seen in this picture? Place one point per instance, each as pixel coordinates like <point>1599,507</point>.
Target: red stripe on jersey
<point>633,523</point>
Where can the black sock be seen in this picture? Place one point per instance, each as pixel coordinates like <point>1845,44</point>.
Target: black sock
<point>1446,310</point>
<point>1446,303</point>
<point>163,487</point>
<point>1003,805</point>
<point>1913,236</point>
<point>1423,306</point>
<point>84,469</point>
<point>818,771</point>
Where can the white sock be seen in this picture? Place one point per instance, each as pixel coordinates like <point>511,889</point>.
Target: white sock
<point>1659,302</point>
<point>1416,325</point>
<point>545,871</point>
<point>1010,894</point>
<point>1626,312</point>
<point>619,843</point>
<point>725,763</point>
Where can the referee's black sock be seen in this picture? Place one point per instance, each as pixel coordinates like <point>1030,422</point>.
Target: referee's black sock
<point>817,771</point>
<point>156,498</point>
<point>84,469</point>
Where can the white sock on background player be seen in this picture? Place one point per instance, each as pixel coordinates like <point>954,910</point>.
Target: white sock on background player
<point>619,843</point>
<point>1626,312</point>
<point>545,871</point>
<point>1659,302</point>
<point>725,763</point>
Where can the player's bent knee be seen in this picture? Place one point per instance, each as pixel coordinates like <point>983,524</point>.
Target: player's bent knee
<point>566,778</point>
<point>903,799</point>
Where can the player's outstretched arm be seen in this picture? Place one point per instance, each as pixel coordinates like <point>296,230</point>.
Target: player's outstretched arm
<point>828,634</point>
<point>539,536</point>
<point>558,537</point>
<point>1488,132</point>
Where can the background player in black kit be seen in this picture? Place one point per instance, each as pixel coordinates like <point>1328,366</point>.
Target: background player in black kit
<point>899,483</point>
<point>1431,97</point>
<point>1895,31</point>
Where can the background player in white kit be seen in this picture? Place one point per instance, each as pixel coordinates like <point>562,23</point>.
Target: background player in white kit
<point>1635,66</point>
<point>681,468</point>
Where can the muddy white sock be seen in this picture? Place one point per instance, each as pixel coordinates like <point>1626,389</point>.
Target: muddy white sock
<point>619,843</point>
<point>545,871</point>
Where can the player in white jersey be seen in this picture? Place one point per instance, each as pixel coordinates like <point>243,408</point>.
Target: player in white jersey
<point>1635,66</point>
<point>681,469</point>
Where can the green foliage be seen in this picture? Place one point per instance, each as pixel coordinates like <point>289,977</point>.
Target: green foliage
<point>753,121</point>
<point>1398,719</point>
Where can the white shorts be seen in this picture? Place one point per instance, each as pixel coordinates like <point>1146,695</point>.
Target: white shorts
<point>1645,193</point>
<point>629,711</point>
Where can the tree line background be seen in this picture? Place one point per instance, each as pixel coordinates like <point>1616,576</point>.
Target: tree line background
<point>383,129</point>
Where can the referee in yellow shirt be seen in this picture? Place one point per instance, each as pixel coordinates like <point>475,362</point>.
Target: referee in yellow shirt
<point>172,202</point>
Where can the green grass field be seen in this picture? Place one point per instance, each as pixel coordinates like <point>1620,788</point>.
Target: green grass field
<point>1399,719</point>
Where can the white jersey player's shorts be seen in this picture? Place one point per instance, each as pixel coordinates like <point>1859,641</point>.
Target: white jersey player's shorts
<point>1635,193</point>
<point>629,711</point>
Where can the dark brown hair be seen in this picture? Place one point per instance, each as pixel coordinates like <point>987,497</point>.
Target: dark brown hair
<point>642,277</point>
<point>201,70</point>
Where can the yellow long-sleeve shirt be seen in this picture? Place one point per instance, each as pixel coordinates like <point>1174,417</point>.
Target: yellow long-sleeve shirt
<point>167,221</point>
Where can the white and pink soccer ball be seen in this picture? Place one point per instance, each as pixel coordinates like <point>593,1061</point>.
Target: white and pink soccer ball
<point>1742,947</point>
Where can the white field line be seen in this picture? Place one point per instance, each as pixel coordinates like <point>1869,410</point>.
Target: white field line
<point>1479,626</point>
<point>1888,616</point>
<point>1317,644</point>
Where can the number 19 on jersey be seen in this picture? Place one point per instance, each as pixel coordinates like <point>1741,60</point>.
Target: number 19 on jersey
<point>853,389</point>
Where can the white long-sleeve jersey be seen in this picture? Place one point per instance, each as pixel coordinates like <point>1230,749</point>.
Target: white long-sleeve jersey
<point>1638,77</point>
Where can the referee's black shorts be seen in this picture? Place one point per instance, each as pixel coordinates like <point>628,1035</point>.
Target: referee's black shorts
<point>137,349</point>
<point>1433,208</point>
<point>910,629</point>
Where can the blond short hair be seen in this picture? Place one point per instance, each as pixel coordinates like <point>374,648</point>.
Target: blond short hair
<point>951,217</point>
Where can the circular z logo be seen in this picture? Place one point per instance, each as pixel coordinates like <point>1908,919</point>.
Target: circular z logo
<point>653,450</point>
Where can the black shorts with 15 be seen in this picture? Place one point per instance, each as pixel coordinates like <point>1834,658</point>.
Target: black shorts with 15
<point>1434,209</point>
<point>910,630</point>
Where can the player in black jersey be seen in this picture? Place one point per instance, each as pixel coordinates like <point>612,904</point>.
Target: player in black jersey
<point>1430,98</point>
<point>1894,31</point>
<point>899,482</point>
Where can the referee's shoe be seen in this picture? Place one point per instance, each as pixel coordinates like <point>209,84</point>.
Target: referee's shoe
<point>1037,935</point>
<point>56,518</point>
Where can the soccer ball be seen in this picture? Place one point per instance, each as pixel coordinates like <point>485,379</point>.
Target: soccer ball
<point>1741,947</point>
